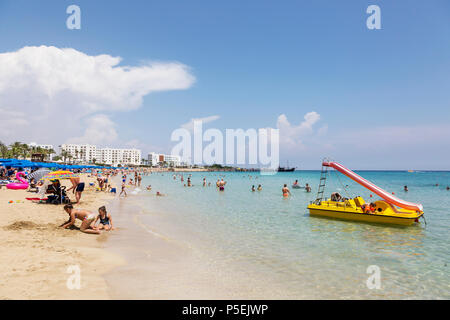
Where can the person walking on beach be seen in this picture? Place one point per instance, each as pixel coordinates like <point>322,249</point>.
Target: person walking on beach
<point>123,190</point>
<point>286,191</point>
<point>85,216</point>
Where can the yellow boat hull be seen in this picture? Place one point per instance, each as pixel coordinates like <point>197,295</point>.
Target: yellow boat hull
<point>348,211</point>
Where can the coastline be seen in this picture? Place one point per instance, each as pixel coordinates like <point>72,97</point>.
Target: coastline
<point>36,253</point>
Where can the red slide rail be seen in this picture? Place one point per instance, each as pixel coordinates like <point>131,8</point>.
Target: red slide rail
<point>389,198</point>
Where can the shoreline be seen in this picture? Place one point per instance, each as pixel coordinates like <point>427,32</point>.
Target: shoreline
<point>36,253</point>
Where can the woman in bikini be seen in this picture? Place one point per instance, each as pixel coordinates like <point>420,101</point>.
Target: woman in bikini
<point>106,222</point>
<point>85,216</point>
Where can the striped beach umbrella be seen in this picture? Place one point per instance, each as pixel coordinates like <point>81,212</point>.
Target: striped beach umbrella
<point>60,175</point>
<point>38,174</point>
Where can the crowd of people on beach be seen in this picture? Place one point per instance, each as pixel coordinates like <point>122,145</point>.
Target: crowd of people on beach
<point>51,191</point>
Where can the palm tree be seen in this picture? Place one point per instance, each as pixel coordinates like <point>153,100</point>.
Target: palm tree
<point>64,155</point>
<point>4,152</point>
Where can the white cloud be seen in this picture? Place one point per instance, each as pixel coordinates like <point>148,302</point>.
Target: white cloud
<point>292,135</point>
<point>100,129</point>
<point>53,89</point>
<point>190,125</point>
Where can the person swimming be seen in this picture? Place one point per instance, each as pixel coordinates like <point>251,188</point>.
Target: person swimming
<point>222,185</point>
<point>285,191</point>
<point>295,183</point>
<point>307,188</point>
<point>259,188</point>
<point>405,188</point>
<point>253,188</point>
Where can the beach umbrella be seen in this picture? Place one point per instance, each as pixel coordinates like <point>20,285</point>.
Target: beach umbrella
<point>59,175</point>
<point>38,174</point>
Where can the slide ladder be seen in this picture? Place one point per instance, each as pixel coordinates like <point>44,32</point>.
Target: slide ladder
<point>322,183</point>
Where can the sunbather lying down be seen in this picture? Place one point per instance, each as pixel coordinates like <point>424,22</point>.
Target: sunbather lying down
<point>85,216</point>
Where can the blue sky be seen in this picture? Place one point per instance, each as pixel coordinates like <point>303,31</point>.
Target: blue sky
<point>383,95</point>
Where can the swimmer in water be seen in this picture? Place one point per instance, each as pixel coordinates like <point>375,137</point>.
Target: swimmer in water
<point>149,187</point>
<point>286,192</point>
<point>259,188</point>
<point>405,188</point>
<point>222,185</point>
<point>189,182</point>
<point>307,188</point>
<point>253,188</point>
<point>295,183</point>
<point>204,182</point>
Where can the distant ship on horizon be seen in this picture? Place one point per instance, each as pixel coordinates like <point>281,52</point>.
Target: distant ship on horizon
<point>285,169</point>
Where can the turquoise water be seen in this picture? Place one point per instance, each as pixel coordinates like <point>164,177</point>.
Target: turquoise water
<point>260,235</point>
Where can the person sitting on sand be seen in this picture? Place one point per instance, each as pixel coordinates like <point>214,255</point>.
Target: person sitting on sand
<point>286,192</point>
<point>106,222</point>
<point>85,216</point>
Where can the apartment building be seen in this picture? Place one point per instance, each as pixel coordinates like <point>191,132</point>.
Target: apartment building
<point>157,159</point>
<point>86,153</point>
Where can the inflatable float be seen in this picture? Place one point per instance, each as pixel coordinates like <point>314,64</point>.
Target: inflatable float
<point>390,210</point>
<point>18,186</point>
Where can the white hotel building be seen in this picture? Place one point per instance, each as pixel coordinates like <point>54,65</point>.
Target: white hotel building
<point>155,159</point>
<point>86,153</point>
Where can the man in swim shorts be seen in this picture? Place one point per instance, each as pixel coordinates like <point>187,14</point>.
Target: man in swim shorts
<point>85,216</point>
<point>285,191</point>
<point>77,187</point>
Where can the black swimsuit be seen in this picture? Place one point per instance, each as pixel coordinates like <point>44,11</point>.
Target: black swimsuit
<point>104,220</point>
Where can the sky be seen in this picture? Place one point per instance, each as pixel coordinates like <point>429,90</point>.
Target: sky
<point>138,70</point>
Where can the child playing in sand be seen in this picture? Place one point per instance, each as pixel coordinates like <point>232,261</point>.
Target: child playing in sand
<point>105,220</point>
<point>85,216</point>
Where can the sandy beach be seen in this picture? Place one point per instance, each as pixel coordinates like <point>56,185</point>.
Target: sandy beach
<point>36,254</point>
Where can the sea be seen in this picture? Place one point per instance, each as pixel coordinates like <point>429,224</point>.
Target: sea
<point>199,243</point>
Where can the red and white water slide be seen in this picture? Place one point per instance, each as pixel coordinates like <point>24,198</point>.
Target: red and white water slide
<point>389,198</point>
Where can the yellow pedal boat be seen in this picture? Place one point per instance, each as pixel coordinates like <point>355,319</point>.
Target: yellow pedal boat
<point>353,209</point>
<point>390,210</point>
